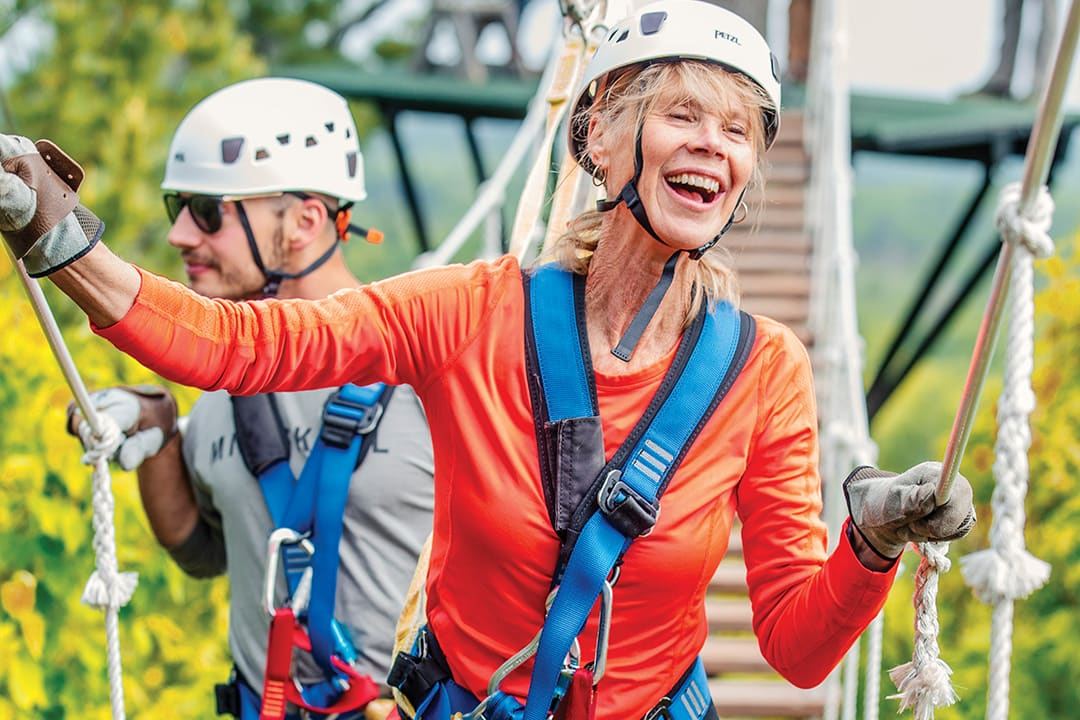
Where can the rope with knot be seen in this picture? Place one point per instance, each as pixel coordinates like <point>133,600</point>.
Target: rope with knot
<point>1007,571</point>
<point>107,589</point>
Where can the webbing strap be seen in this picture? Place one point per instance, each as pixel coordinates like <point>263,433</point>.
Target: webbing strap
<point>564,366</point>
<point>278,687</point>
<point>690,700</point>
<point>349,415</point>
<point>628,498</point>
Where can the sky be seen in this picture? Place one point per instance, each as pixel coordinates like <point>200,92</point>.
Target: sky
<point>937,48</point>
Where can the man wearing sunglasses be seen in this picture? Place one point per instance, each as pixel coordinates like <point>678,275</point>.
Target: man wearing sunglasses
<point>259,185</point>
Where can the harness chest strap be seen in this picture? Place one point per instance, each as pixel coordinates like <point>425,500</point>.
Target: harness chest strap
<point>623,502</point>
<point>350,416</point>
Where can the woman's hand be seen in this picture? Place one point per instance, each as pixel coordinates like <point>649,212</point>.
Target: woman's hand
<point>888,510</point>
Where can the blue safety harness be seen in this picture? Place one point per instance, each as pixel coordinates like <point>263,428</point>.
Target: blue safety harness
<point>307,513</point>
<point>598,507</point>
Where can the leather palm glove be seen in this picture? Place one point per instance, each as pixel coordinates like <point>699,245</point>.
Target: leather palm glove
<point>891,510</point>
<point>40,215</point>
<point>145,414</point>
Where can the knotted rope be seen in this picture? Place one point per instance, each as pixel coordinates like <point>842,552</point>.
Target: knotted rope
<point>107,588</point>
<point>924,682</point>
<point>1007,571</point>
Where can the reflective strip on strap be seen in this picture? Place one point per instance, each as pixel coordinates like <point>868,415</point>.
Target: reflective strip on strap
<point>690,700</point>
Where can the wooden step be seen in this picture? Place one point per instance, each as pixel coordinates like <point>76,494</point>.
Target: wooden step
<point>769,240</point>
<point>775,284</point>
<point>750,261</point>
<point>789,311</point>
<point>741,698</point>
<point>730,579</point>
<point>725,654</point>
<point>732,615</point>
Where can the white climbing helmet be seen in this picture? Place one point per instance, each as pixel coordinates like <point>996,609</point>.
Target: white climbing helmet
<point>680,30</point>
<point>268,135</point>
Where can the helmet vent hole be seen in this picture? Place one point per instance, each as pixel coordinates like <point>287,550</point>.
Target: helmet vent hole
<point>283,139</point>
<point>625,34</point>
<point>310,141</point>
<point>348,133</point>
<point>351,159</point>
<point>230,149</point>
<point>652,22</point>
<point>262,154</point>
<point>329,127</point>
<point>178,157</point>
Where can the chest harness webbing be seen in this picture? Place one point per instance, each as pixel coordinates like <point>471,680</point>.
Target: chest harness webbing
<point>598,507</point>
<point>308,515</point>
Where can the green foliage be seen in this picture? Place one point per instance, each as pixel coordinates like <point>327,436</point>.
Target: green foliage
<point>53,659</point>
<point>109,87</point>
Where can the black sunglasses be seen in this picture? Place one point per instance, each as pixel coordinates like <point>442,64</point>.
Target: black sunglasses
<point>205,209</point>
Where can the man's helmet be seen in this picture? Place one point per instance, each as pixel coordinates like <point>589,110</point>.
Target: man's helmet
<point>680,30</point>
<point>268,135</point>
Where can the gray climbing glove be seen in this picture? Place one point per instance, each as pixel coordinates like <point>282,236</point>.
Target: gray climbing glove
<point>145,414</point>
<point>891,510</point>
<point>40,215</point>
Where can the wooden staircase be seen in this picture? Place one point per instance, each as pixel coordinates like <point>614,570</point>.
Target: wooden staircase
<point>772,252</point>
<point>771,248</point>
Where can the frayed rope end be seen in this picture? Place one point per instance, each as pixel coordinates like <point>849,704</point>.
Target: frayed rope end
<point>923,689</point>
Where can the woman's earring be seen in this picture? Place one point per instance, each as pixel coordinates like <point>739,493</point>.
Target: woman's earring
<point>736,217</point>
<point>599,176</point>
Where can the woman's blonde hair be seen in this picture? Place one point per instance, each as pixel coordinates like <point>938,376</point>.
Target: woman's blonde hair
<point>622,107</point>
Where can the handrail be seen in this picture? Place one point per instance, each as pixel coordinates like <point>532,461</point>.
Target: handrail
<point>492,192</point>
<point>1044,137</point>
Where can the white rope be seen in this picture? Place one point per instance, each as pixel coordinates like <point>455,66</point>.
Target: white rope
<point>1007,571</point>
<point>872,694</point>
<point>106,588</point>
<point>924,682</point>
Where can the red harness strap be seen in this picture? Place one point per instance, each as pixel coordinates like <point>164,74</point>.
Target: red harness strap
<point>580,700</point>
<point>278,687</point>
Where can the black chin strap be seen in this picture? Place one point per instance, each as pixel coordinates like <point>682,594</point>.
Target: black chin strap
<point>274,278</point>
<point>645,313</point>
<point>629,195</point>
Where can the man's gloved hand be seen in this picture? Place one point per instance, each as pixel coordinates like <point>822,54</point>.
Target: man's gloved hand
<point>40,215</point>
<point>891,510</point>
<point>146,414</point>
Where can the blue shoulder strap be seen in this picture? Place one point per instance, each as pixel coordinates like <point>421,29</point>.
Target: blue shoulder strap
<point>349,417</point>
<point>626,499</point>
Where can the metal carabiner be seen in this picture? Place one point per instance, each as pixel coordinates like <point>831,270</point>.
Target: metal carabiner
<point>603,632</point>
<point>285,536</point>
<point>517,659</point>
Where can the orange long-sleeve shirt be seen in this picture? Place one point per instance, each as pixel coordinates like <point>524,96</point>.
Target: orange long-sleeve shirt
<point>456,335</point>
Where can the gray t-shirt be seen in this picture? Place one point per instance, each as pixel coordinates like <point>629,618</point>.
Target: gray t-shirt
<point>387,519</point>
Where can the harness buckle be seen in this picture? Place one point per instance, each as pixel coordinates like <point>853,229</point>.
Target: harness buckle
<point>345,417</point>
<point>626,509</point>
<point>660,710</point>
